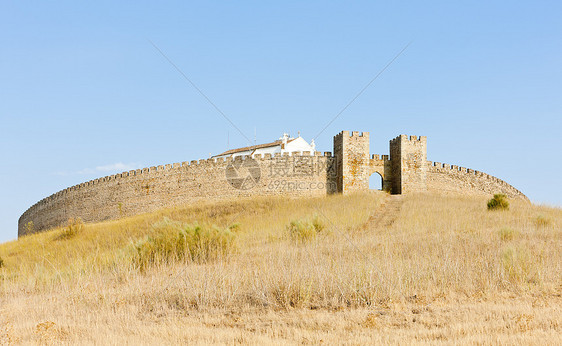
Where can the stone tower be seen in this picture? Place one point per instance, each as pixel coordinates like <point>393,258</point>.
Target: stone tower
<point>352,157</point>
<point>408,158</point>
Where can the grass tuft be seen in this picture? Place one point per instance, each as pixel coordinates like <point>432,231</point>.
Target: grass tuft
<point>173,241</point>
<point>305,230</point>
<point>542,221</point>
<point>517,264</point>
<point>507,234</point>
<point>235,227</point>
<point>73,228</point>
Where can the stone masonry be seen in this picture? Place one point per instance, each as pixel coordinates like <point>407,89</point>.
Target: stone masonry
<point>406,170</point>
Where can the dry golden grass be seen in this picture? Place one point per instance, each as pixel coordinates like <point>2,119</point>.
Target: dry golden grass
<point>446,270</point>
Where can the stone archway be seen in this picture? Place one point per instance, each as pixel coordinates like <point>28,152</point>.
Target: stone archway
<point>376,181</point>
<point>379,174</point>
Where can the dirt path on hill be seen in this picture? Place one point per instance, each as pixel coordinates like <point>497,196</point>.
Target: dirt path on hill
<point>386,213</point>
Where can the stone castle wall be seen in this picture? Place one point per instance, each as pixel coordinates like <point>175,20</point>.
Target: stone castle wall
<point>451,179</point>
<point>148,189</point>
<point>405,170</point>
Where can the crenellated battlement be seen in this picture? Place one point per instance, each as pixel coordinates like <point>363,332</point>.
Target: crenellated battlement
<point>359,134</point>
<point>380,157</point>
<point>477,177</point>
<point>347,134</point>
<point>406,138</point>
<point>342,134</point>
<point>405,169</point>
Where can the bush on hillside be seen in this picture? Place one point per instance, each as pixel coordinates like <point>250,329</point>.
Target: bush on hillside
<point>499,202</point>
<point>174,241</point>
<point>73,227</point>
<point>302,231</point>
<point>1,262</point>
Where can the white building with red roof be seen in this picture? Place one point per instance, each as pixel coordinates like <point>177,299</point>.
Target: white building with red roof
<point>285,144</point>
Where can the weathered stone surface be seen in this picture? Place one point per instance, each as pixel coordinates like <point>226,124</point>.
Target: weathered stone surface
<point>352,158</point>
<point>406,170</point>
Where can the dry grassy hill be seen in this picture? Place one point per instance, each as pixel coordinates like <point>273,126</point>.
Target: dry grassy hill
<point>339,269</point>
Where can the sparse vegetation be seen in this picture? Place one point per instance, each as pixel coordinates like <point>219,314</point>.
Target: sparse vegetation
<point>172,241</point>
<point>441,259</point>
<point>305,230</point>
<point>542,221</point>
<point>506,234</point>
<point>29,228</point>
<point>74,226</point>
<point>499,202</point>
<point>517,264</point>
<point>234,227</point>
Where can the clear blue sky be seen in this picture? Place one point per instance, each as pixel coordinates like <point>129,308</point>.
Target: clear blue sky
<point>84,94</point>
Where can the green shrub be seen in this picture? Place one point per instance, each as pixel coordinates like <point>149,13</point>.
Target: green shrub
<point>302,231</point>
<point>499,202</point>
<point>73,227</point>
<point>174,241</point>
<point>1,262</point>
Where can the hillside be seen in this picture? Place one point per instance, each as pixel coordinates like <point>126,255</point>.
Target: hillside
<point>360,269</point>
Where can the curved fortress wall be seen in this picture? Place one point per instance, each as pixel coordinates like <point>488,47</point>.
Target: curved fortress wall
<point>149,189</point>
<point>445,178</point>
<point>405,170</point>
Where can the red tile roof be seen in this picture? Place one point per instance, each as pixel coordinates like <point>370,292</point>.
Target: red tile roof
<point>254,147</point>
